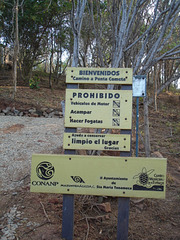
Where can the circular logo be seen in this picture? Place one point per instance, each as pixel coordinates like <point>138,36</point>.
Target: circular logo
<point>77,179</point>
<point>45,170</point>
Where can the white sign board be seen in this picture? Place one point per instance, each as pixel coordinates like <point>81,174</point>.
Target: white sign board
<point>139,86</point>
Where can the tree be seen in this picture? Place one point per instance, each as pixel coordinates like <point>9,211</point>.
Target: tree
<point>15,35</point>
<point>36,20</point>
<point>16,46</point>
<point>76,21</point>
<point>140,29</point>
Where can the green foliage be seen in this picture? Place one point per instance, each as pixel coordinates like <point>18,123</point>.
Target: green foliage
<point>177,129</point>
<point>40,19</point>
<point>37,19</point>
<point>173,88</point>
<point>41,74</point>
<point>34,82</point>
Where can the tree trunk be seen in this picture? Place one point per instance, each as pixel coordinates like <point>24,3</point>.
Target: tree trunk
<point>169,81</point>
<point>51,61</point>
<point>75,50</point>
<point>155,87</point>
<point>146,128</point>
<point>76,18</point>
<point>16,49</point>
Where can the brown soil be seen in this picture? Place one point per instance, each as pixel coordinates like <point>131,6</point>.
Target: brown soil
<point>27,98</point>
<point>150,219</point>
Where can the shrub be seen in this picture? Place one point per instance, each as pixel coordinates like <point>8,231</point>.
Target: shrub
<point>34,82</point>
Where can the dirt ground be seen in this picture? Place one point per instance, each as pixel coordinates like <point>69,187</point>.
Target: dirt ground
<point>38,216</point>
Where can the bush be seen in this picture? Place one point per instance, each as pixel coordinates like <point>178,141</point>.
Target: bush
<point>34,82</point>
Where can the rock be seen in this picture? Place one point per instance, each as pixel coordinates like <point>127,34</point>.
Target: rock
<point>32,111</point>
<point>44,109</point>
<point>56,113</point>
<point>139,200</point>
<point>20,114</point>
<point>106,207</point>
<point>8,109</point>
<point>26,112</point>
<point>14,193</point>
<point>46,115</point>
<point>49,110</point>
<point>157,155</point>
<point>34,115</point>
<point>16,112</point>
<point>51,114</point>
<point>56,116</point>
<point>39,112</point>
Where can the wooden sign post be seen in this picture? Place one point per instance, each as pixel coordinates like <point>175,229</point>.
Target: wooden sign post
<point>122,176</point>
<point>100,101</point>
<point>68,200</point>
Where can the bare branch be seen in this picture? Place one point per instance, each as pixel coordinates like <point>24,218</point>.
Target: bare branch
<point>147,62</point>
<point>168,82</point>
<point>168,53</point>
<point>45,212</point>
<point>171,58</point>
<point>169,35</point>
<point>46,9</point>
<point>97,35</point>
<point>8,3</point>
<point>153,24</point>
<point>141,52</point>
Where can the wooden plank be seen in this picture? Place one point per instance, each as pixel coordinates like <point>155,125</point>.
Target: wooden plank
<point>94,141</point>
<point>99,75</point>
<point>110,109</point>
<point>94,175</point>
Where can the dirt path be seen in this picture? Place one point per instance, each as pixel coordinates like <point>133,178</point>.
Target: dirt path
<point>20,137</point>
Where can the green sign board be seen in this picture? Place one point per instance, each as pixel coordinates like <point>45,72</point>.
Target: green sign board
<point>98,108</point>
<point>93,141</point>
<point>94,175</point>
<point>99,75</point>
